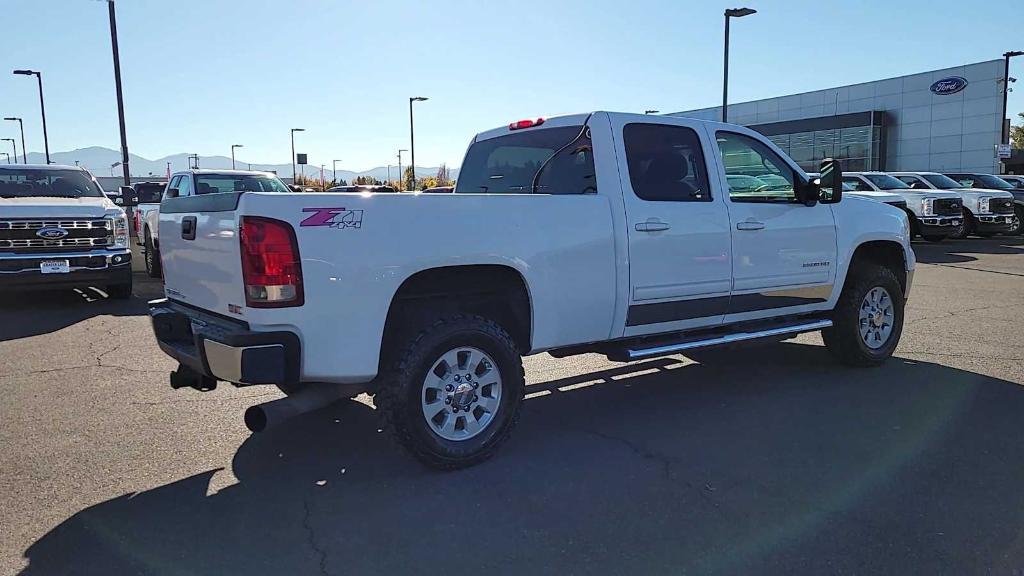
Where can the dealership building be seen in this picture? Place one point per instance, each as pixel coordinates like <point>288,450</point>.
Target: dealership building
<point>943,120</point>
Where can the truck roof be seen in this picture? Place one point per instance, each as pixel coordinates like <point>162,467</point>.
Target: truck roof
<point>577,119</point>
<point>225,172</point>
<point>40,167</point>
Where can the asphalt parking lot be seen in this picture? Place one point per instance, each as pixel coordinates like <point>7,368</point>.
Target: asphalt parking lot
<point>759,460</point>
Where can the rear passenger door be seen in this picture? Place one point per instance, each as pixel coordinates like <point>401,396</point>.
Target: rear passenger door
<point>677,227</point>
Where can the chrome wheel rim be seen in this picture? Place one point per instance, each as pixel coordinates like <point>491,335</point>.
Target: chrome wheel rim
<point>877,313</point>
<point>461,393</point>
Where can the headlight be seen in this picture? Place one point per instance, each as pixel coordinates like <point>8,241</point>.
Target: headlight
<point>119,225</point>
<point>928,206</point>
<point>983,204</point>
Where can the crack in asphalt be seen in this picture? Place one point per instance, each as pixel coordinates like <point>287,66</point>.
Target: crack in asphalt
<point>312,539</point>
<point>80,367</point>
<point>979,269</point>
<point>188,400</point>
<point>961,355</point>
<point>964,311</point>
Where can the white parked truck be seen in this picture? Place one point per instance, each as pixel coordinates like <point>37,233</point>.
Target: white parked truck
<point>603,232</point>
<point>934,214</point>
<point>59,230</point>
<point>986,211</point>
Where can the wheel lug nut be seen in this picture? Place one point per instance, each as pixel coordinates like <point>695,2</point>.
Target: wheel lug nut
<point>475,397</point>
<point>476,384</point>
<point>449,388</point>
<point>448,400</point>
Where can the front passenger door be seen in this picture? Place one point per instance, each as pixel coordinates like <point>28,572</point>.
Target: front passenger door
<point>784,252</point>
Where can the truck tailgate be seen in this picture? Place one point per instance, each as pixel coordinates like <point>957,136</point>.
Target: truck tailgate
<point>200,251</point>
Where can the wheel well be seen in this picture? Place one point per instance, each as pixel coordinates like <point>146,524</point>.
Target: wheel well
<point>493,291</point>
<point>884,253</point>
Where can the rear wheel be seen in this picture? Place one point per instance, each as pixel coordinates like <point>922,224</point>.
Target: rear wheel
<point>452,397</point>
<point>151,256</point>
<point>868,319</point>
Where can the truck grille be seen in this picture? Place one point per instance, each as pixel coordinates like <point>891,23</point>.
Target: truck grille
<point>1001,205</point>
<point>22,235</point>
<point>948,207</point>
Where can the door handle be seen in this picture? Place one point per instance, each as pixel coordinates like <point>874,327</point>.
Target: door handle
<point>188,227</point>
<point>652,225</point>
<point>748,225</point>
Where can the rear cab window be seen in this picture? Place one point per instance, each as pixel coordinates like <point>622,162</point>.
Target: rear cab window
<point>531,161</point>
<point>217,183</point>
<point>665,163</point>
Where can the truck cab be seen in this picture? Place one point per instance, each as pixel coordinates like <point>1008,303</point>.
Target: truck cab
<point>627,235</point>
<point>934,215</point>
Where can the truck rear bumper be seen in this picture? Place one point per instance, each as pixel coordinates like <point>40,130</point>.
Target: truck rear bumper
<point>224,349</point>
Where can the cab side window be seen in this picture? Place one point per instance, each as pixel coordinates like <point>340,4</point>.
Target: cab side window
<point>185,186</point>
<point>753,171</point>
<point>172,184</point>
<point>856,184</point>
<point>913,182</point>
<point>666,163</point>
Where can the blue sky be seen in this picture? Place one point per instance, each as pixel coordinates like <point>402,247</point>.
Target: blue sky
<point>202,75</point>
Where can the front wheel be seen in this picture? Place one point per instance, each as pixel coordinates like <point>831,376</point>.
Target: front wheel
<point>868,318</point>
<point>1018,223</point>
<point>962,229</point>
<point>452,397</point>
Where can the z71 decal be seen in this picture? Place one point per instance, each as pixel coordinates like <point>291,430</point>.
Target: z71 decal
<point>333,217</point>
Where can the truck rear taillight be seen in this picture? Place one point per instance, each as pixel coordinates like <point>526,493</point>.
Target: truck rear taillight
<point>271,267</point>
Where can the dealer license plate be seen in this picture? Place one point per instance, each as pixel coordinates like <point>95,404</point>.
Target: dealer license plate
<point>54,267</point>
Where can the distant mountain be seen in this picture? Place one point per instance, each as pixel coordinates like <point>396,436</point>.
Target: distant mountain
<point>98,160</point>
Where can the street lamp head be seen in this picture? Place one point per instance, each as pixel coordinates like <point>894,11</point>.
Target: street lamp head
<point>418,99</point>
<point>238,146</point>
<point>651,111</point>
<point>1013,53</point>
<point>26,72</point>
<point>12,118</point>
<point>298,129</point>
<point>739,12</point>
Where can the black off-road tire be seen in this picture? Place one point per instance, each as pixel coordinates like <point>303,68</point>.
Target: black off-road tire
<point>151,256</point>
<point>398,397</point>
<point>964,229</point>
<point>843,339</point>
<point>1018,228</point>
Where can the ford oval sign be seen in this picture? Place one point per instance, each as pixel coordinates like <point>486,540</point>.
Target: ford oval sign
<point>51,233</point>
<point>949,85</point>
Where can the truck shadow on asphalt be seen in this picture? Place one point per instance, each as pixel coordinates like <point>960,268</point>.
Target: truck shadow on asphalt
<point>31,313</point>
<point>775,460</point>
<point>958,251</point>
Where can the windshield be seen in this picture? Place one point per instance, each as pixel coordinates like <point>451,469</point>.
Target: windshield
<point>988,181</point>
<point>886,182</point>
<point>43,182</point>
<point>213,183</point>
<point>942,182</point>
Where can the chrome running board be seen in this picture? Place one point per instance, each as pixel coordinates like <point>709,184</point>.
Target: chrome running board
<point>635,354</point>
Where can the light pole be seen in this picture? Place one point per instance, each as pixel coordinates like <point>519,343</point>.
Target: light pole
<point>112,166</point>
<point>15,148</point>
<point>42,107</point>
<point>233,146</point>
<point>730,13</point>
<point>401,177</point>
<point>294,130</point>
<point>8,156</point>
<point>334,171</point>
<point>192,157</point>
<point>651,111</point>
<point>1004,133</point>
<point>412,142</point>
<point>24,152</point>
<point>120,98</point>
<point>389,174</point>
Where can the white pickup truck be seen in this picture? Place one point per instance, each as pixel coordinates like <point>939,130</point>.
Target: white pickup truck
<point>986,211</point>
<point>934,214</point>
<point>604,232</point>
<point>59,230</point>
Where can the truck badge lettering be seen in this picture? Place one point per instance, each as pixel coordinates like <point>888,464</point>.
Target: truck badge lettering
<point>333,218</point>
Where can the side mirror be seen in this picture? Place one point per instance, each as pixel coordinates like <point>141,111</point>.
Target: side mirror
<point>831,181</point>
<point>171,193</point>
<point>127,196</point>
